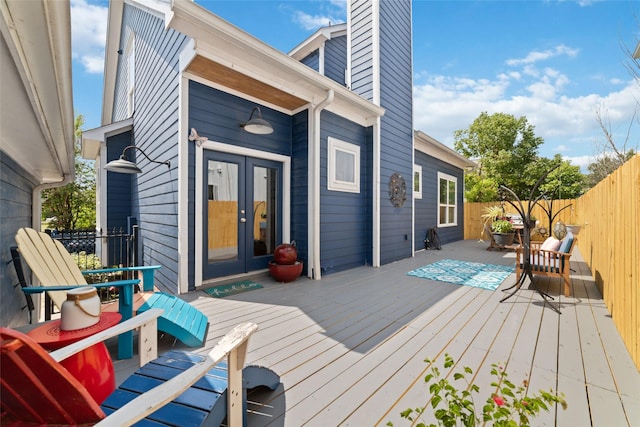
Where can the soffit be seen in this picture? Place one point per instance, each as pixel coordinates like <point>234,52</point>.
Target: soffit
<point>232,79</point>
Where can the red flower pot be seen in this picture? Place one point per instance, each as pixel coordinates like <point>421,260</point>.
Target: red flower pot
<point>286,272</point>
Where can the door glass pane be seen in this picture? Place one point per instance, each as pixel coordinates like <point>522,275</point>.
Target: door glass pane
<point>222,211</point>
<point>265,213</point>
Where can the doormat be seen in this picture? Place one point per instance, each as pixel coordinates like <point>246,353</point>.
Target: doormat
<point>232,289</point>
<point>476,274</point>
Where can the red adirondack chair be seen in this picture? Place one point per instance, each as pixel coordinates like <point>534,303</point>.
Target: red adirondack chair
<point>36,388</point>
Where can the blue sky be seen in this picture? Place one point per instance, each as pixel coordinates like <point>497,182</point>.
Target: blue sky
<point>555,62</point>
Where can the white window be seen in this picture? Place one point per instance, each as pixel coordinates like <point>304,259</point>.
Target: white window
<point>343,166</point>
<point>131,67</point>
<point>417,182</point>
<point>447,200</point>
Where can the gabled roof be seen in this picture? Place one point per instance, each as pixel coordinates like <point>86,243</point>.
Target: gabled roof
<point>229,57</point>
<point>431,146</point>
<point>37,120</point>
<point>316,40</point>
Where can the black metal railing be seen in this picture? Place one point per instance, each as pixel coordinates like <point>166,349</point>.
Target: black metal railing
<point>99,249</point>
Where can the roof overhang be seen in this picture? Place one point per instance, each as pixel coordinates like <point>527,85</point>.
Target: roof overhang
<point>93,138</point>
<point>37,119</point>
<point>317,39</point>
<point>232,59</point>
<point>429,145</point>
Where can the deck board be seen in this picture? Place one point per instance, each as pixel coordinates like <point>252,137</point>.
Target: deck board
<point>350,348</point>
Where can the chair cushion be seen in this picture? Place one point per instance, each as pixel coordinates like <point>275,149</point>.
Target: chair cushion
<point>551,244</point>
<point>565,245</point>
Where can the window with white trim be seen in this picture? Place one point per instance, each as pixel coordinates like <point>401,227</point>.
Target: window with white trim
<point>131,74</point>
<point>447,200</point>
<point>343,168</point>
<point>417,182</point>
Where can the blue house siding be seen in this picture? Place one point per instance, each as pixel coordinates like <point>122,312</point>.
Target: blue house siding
<point>16,188</point>
<point>312,60</point>
<point>426,209</point>
<point>218,115</point>
<point>335,59</point>
<point>396,130</point>
<point>362,48</point>
<point>345,218</point>
<point>154,203</point>
<point>299,186</point>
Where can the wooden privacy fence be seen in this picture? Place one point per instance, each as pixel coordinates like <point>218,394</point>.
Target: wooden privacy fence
<point>473,215</point>
<point>609,242</point>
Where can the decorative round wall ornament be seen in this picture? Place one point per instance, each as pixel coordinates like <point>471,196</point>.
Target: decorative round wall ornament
<point>397,190</point>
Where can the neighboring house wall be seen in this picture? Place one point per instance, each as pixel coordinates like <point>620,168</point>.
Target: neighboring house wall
<point>426,208</point>
<point>345,217</point>
<point>16,188</point>
<point>396,130</point>
<point>335,59</point>
<point>156,132</point>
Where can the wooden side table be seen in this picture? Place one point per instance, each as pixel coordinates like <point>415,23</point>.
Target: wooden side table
<point>92,366</point>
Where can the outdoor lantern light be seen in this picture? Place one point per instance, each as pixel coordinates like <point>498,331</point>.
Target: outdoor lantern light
<point>258,125</point>
<point>122,165</point>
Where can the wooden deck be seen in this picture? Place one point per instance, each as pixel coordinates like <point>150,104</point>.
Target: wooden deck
<point>350,348</point>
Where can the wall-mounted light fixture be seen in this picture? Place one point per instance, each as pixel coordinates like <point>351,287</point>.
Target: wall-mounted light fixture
<point>122,165</point>
<point>258,125</point>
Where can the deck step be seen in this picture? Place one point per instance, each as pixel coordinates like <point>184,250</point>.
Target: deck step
<point>180,319</point>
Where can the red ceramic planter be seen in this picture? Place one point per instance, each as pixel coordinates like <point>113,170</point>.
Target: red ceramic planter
<point>285,273</point>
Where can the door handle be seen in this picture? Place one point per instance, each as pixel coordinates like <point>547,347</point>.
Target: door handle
<point>243,219</point>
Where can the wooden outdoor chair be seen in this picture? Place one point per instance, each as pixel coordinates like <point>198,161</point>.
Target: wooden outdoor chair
<point>57,271</point>
<point>549,263</point>
<point>174,389</point>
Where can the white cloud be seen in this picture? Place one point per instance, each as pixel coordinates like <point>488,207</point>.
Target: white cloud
<point>537,56</point>
<point>329,13</point>
<point>88,34</point>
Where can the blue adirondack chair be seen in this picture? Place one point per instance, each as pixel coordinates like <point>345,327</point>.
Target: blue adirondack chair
<point>57,271</point>
<point>176,388</point>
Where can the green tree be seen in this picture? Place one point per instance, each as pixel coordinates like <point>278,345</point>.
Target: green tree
<point>73,206</point>
<point>503,146</point>
<point>564,182</point>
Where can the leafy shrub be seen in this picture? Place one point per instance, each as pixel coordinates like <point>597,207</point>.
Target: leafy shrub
<point>508,406</point>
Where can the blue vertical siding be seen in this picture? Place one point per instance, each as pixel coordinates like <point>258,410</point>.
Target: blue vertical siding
<point>312,60</point>
<point>299,185</point>
<point>396,130</point>
<point>335,59</point>
<point>16,188</point>
<point>119,198</point>
<point>426,209</point>
<point>345,218</point>
<point>154,202</point>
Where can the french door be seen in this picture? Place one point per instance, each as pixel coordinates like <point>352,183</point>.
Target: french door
<point>242,212</point>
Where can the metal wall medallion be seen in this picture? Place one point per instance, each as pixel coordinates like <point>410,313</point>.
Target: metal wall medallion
<point>397,190</point>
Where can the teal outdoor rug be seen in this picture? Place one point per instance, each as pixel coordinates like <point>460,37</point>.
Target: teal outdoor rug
<point>232,289</point>
<point>476,274</point>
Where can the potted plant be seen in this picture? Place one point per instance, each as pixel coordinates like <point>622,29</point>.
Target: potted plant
<point>490,215</point>
<point>285,266</point>
<point>503,232</point>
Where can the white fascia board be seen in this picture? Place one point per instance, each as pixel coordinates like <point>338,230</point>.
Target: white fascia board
<point>316,40</point>
<point>228,45</point>
<point>429,145</point>
<point>92,138</point>
<point>38,38</point>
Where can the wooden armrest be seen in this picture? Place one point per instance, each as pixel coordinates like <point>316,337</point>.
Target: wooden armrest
<point>117,283</point>
<point>147,274</point>
<point>147,322</point>
<point>233,345</point>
